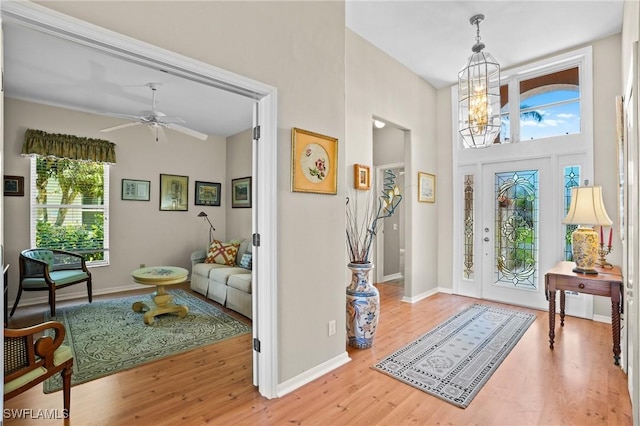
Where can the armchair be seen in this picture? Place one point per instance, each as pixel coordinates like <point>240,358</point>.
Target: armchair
<point>49,270</point>
<point>28,362</point>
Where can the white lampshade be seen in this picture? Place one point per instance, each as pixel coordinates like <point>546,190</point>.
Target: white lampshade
<point>587,207</point>
<point>586,210</point>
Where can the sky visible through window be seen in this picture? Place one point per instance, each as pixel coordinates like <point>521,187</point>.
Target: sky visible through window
<point>558,112</point>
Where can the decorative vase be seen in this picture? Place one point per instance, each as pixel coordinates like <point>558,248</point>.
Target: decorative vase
<point>363,306</point>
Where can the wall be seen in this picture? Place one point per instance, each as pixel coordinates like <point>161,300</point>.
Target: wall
<point>239,152</point>
<point>139,232</point>
<point>379,86</point>
<point>297,47</point>
<point>606,62</point>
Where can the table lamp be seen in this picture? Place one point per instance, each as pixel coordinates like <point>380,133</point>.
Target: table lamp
<point>586,210</point>
<point>211,228</point>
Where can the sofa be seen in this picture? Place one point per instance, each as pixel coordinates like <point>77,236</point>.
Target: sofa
<point>222,273</point>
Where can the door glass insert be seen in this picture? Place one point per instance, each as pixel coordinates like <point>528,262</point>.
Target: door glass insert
<point>571,179</point>
<point>467,271</point>
<point>516,228</point>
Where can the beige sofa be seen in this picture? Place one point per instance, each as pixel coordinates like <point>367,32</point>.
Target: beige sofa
<point>228,285</point>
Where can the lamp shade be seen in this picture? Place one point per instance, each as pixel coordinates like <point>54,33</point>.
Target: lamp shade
<point>587,207</point>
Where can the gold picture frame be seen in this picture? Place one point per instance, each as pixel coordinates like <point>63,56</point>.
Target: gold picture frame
<point>314,162</point>
<point>361,177</point>
<point>174,194</point>
<point>426,187</point>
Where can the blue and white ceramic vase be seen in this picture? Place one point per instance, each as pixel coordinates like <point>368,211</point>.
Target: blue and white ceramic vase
<point>363,306</point>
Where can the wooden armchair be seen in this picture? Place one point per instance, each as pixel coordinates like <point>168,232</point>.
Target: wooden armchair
<point>49,270</point>
<point>28,362</point>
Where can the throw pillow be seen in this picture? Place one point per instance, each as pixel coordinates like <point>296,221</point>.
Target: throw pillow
<point>222,253</point>
<point>246,261</point>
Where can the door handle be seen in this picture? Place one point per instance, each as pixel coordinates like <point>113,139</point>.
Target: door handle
<point>486,239</point>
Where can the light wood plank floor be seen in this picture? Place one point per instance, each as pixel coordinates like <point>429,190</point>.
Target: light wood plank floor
<point>575,384</point>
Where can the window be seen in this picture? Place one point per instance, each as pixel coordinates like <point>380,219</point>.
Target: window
<point>70,208</point>
<point>546,105</point>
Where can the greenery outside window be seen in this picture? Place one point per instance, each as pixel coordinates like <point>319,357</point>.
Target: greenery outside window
<point>69,207</point>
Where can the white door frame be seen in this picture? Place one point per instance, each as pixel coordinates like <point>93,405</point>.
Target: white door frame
<point>379,183</point>
<point>265,210</point>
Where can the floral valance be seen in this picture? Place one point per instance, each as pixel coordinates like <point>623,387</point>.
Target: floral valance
<point>37,142</point>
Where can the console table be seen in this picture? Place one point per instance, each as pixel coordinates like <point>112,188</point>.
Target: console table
<point>608,282</point>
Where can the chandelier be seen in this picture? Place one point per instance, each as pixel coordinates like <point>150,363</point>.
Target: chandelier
<point>479,95</point>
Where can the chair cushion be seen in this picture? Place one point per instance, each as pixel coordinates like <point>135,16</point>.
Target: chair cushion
<point>203,269</point>
<point>60,356</point>
<point>40,254</point>
<point>222,253</point>
<point>241,282</point>
<point>58,277</point>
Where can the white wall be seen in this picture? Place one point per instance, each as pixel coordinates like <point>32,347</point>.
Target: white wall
<point>379,86</point>
<point>606,63</point>
<point>239,153</point>
<point>139,231</point>
<point>297,47</point>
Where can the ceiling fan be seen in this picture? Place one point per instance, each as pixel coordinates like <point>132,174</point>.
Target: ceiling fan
<point>156,120</point>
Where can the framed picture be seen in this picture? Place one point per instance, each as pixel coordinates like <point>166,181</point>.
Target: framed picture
<point>173,193</point>
<point>362,176</point>
<point>426,187</point>
<point>241,192</point>
<point>135,190</point>
<point>208,193</point>
<point>314,162</point>
<point>14,185</point>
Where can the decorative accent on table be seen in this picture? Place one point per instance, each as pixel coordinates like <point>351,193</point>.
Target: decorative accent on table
<point>361,176</point>
<point>135,190</point>
<point>426,187</point>
<point>241,192</point>
<point>363,299</point>
<point>14,185</point>
<point>173,193</point>
<point>603,251</point>
<point>207,193</point>
<point>314,162</point>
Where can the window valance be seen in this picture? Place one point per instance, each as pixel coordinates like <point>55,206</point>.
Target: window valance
<point>37,142</point>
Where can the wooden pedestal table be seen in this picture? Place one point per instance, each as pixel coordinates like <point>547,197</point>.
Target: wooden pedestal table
<point>608,283</point>
<point>161,301</point>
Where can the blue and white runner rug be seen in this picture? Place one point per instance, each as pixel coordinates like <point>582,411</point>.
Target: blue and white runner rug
<point>454,360</point>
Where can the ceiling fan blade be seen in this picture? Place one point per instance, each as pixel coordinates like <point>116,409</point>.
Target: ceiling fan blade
<point>120,126</point>
<point>186,131</point>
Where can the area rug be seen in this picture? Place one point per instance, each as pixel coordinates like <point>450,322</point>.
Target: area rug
<point>108,336</point>
<point>454,360</point>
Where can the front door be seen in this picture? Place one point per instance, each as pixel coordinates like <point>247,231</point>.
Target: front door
<point>516,225</point>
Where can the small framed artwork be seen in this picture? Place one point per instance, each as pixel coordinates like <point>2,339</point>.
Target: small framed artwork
<point>14,185</point>
<point>426,187</point>
<point>362,176</point>
<point>314,162</point>
<point>174,194</point>
<point>241,192</point>
<point>135,190</point>
<point>208,193</point>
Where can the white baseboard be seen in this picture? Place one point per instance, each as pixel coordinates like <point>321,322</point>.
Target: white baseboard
<point>312,374</point>
<point>426,294</point>
<point>602,318</point>
<point>81,294</point>
<point>396,276</point>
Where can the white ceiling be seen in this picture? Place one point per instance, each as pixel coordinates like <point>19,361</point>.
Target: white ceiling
<point>432,38</point>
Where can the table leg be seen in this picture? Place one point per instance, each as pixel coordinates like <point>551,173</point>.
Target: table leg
<point>562,300</point>
<point>552,317</point>
<point>615,330</point>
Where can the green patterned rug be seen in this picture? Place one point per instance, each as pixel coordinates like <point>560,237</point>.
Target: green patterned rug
<point>454,360</point>
<point>108,336</point>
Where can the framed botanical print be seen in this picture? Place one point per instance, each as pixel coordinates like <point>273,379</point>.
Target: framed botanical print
<point>426,187</point>
<point>207,193</point>
<point>174,195</point>
<point>135,190</point>
<point>314,162</point>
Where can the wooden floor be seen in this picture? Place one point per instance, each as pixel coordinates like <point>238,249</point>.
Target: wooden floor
<point>574,384</point>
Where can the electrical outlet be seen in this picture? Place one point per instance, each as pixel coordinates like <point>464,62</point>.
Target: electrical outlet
<point>332,327</point>
<point>141,265</point>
